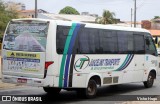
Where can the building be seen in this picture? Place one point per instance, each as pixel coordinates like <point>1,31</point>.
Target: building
<point>88,14</point>
<point>156,24</point>
<point>85,13</point>
<point>94,15</point>
<point>155,33</point>
<point>154,27</point>
<point>146,24</point>
<point>127,23</point>
<point>27,13</point>
<point>153,24</point>
<point>67,17</point>
<point>42,11</point>
<point>15,6</point>
<point>30,13</point>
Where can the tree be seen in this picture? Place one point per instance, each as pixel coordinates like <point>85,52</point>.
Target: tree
<point>5,16</point>
<point>156,17</point>
<point>69,10</point>
<point>107,18</point>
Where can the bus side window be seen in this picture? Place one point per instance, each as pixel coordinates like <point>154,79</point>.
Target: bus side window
<point>84,42</point>
<point>88,41</point>
<point>61,36</point>
<point>139,44</point>
<point>150,47</point>
<point>108,42</point>
<point>147,42</point>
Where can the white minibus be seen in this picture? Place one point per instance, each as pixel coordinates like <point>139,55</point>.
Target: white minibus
<point>69,55</point>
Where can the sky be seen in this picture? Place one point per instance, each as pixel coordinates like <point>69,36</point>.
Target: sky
<point>146,9</point>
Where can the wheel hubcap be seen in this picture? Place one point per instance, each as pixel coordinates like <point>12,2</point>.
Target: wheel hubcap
<point>150,79</point>
<point>91,89</point>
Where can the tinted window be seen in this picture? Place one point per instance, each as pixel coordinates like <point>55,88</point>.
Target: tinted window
<point>61,36</point>
<point>108,41</point>
<point>122,42</point>
<point>125,42</point>
<point>130,42</point>
<point>84,41</point>
<point>139,43</point>
<point>93,41</point>
<point>88,41</point>
<point>149,45</point>
<point>100,41</point>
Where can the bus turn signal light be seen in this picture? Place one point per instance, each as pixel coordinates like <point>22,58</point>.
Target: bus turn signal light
<point>47,64</point>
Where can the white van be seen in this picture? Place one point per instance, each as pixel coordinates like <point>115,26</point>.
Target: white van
<point>59,55</point>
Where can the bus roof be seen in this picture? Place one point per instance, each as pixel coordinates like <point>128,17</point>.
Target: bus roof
<point>89,25</point>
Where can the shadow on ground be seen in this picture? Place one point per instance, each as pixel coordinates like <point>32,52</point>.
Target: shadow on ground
<point>108,93</point>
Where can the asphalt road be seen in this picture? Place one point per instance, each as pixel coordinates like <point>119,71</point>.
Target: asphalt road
<point>106,95</point>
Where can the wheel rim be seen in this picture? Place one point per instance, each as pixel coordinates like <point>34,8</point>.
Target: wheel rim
<point>150,79</point>
<point>91,89</point>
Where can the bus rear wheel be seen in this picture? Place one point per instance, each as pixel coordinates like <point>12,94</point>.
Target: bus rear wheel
<point>51,90</point>
<point>150,80</point>
<point>90,91</point>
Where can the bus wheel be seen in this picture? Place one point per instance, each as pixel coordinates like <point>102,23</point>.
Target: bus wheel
<point>150,80</point>
<point>51,90</point>
<point>90,91</point>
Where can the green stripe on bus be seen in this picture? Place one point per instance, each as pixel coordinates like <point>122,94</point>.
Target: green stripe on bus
<point>123,63</point>
<point>65,54</point>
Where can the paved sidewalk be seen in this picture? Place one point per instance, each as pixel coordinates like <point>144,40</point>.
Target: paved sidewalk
<point>140,102</point>
<point>7,85</point>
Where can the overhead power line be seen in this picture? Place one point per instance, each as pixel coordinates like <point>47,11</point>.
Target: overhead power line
<point>142,4</point>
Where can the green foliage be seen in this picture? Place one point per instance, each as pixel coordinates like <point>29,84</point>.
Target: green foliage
<point>69,10</point>
<point>156,17</point>
<point>5,17</point>
<point>107,18</point>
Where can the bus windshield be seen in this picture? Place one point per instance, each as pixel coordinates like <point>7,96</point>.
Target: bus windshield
<point>26,35</point>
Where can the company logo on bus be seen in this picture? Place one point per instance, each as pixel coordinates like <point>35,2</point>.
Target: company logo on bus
<point>81,63</point>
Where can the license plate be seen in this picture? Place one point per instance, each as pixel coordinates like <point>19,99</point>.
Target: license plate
<point>21,80</point>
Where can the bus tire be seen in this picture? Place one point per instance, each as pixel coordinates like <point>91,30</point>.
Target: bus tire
<point>90,91</point>
<point>150,80</point>
<point>51,90</point>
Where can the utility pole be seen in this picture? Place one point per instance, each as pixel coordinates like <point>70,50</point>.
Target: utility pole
<point>35,8</point>
<point>131,16</point>
<point>135,10</point>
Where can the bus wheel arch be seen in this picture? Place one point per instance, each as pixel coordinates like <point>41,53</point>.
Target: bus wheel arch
<point>154,72</point>
<point>97,79</point>
<point>93,82</point>
<point>91,86</point>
